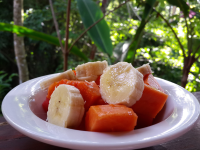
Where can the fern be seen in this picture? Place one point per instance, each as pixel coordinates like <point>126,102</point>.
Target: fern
<point>5,85</point>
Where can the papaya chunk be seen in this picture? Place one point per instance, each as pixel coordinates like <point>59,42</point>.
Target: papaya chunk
<point>90,92</point>
<point>45,104</point>
<point>151,102</point>
<point>150,80</point>
<point>98,80</point>
<point>143,121</point>
<point>100,102</point>
<point>110,118</point>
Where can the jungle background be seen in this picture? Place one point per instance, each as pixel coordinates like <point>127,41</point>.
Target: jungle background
<point>165,34</point>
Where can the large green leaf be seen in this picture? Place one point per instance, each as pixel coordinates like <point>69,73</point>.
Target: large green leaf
<point>23,31</point>
<point>148,8</point>
<point>100,33</point>
<point>136,39</point>
<point>181,4</point>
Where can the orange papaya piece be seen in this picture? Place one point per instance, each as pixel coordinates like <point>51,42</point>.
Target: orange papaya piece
<point>90,93</point>
<point>45,104</point>
<point>150,80</point>
<point>98,80</point>
<point>151,102</point>
<point>100,102</point>
<point>110,118</point>
<point>143,121</point>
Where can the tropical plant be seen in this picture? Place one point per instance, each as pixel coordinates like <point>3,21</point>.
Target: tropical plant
<point>140,32</point>
<point>5,84</point>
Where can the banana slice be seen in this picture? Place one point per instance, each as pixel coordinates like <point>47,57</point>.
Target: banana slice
<point>121,84</point>
<point>88,78</point>
<point>69,74</point>
<point>90,70</point>
<point>66,107</point>
<point>145,69</point>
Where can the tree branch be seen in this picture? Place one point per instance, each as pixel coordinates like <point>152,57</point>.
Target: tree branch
<point>56,25</point>
<point>66,51</point>
<point>182,48</point>
<point>96,23</point>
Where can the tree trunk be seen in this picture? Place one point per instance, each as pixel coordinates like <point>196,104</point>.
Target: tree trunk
<point>20,54</point>
<point>188,62</point>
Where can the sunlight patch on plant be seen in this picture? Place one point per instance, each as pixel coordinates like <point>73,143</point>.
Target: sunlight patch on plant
<point>180,32</point>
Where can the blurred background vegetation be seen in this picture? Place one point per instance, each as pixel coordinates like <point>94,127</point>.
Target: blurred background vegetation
<point>165,34</point>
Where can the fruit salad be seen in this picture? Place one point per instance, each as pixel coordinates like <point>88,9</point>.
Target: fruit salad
<point>101,98</point>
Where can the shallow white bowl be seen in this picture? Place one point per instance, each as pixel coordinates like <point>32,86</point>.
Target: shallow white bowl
<point>22,108</point>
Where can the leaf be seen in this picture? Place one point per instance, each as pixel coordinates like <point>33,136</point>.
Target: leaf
<point>148,7</point>
<point>120,51</point>
<point>136,39</point>
<point>2,56</point>
<point>197,15</point>
<point>195,45</point>
<point>23,31</point>
<point>100,33</point>
<point>2,77</point>
<point>77,52</point>
<point>181,4</point>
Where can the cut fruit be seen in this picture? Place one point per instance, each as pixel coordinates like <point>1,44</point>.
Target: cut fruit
<point>145,69</point>
<point>151,102</point>
<point>100,102</point>
<point>150,80</point>
<point>121,84</point>
<point>97,81</point>
<point>90,71</point>
<point>143,121</point>
<point>88,78</point>
<point>110,118</point>
<point>66,107</point>
<point>90,93</point>
<point>89,90</point>
<point>69,74</point>
<point>45,104</point>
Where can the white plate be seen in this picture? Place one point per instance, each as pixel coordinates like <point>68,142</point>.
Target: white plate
<point>178,116</point>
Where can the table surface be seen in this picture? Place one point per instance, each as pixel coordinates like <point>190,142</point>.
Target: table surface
<point>12,139</point>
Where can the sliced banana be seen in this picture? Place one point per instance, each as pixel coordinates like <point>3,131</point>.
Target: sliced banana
<point>145,69</point>
<point>121,84</point>
<point>88,78</point>
<point>66,107</point>
<point>69,74</point>
<point>90,70</point>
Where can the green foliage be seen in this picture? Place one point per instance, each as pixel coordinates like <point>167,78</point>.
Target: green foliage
<point>23,31</point>
<point>147,10</point>
<point>137,37</point>
<point>5,84</point>
<point>181,4</point>
<point>100,33</point>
